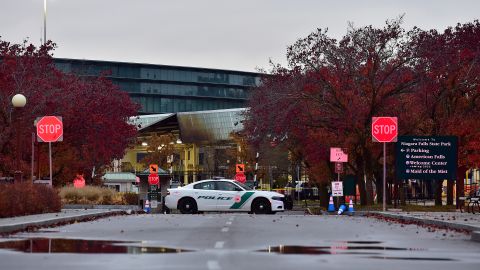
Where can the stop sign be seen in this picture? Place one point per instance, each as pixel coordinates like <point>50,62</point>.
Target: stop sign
<point>384,129</point>
<point>153,179</point>
<point>240,177</point>
<point>50,129</point>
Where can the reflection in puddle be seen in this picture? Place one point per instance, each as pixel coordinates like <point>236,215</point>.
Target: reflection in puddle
<point>308,250</point>
<point>362,242</point>
<point>330,250</point>
<point>45,231</point>
<point>53,245</point>
<point>410,258</point>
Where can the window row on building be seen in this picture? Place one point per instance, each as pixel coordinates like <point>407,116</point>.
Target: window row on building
<point>181,90</point>
<point>151,72</point>
<point>153,104</point>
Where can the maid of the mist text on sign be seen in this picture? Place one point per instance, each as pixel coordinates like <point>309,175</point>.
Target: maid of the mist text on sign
<point>427,158</point>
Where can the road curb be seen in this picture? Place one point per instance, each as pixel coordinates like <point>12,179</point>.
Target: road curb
<point>476,236</point>
<point>475,230</point>
<point>102,207</point>
<point>56,220</point>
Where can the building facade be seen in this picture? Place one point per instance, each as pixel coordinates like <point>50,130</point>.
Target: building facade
<point>170,89</point>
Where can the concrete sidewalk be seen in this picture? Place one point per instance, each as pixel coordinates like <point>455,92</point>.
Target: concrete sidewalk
<point>453,220</point>
<point>8,225</point>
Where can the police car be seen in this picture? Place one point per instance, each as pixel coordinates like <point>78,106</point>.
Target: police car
<point>223,195</point>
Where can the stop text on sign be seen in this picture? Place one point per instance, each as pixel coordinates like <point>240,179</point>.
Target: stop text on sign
<point>49,129</point>
<point>384,129</point>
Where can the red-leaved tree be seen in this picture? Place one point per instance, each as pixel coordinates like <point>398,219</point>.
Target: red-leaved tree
<point>94,111</point>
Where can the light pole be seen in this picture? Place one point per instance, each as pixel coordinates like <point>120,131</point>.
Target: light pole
<point>18,101</point>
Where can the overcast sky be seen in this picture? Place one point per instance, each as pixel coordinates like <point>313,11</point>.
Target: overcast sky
<point>223,34</point>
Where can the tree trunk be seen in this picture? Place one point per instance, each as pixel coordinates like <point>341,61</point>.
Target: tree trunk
<point>450,183</point>
<point>369,179</point>
<point>401,193</point>
<point>323,193</point>
<point>361,188</point>
<point>360,180</point>
<point>369,188</point>
<point>379,188</point>
<point>438,192</point>
<point>461,172</point>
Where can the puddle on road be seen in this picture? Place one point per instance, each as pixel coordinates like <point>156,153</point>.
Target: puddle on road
<point>341,247</point>
<point>309,250</point>
<point>372,248</point>
<point>334,249</point>
<point>361,242</point>
<point>410,258</point>
<point>61,245</point>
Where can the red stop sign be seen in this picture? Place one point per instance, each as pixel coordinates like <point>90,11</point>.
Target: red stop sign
<point>384,129</point>
<point>153,179</point>
<point>240,177</point>
<point>50,129</point>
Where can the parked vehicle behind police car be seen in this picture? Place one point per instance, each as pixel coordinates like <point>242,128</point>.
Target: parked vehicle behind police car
<point>223,195</point>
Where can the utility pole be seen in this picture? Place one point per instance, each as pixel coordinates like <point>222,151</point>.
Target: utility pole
<point>44,21</point>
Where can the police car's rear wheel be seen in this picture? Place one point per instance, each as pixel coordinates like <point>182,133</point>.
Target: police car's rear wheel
<point>261,206</point>
<point>187,206</point>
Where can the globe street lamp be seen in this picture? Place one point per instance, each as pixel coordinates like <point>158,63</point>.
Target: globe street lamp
<point>18,101</point>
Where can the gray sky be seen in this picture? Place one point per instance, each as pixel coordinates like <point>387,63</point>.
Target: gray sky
<point>224,34</point>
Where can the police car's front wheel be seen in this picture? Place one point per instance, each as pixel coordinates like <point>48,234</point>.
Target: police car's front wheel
<point>187,206</point>
<point>261,206</point>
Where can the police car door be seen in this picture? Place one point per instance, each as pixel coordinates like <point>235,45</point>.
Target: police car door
<point>205,195</point>
<point>229,195</point>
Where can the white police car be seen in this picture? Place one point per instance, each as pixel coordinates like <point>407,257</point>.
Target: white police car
<point>223,195</point>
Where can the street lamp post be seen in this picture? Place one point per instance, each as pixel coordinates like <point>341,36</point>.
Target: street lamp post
<point>18,101</point>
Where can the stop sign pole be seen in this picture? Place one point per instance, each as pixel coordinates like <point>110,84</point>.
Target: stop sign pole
<point>384,129</point>
<point>49,129</point>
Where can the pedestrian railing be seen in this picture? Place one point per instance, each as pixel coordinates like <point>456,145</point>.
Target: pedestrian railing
<point>470,202</point>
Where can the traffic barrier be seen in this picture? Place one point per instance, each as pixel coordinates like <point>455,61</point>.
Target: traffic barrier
<point>331,207</point>
<point>341,209</point>
<point>147,207</point>
<point>351,211</point>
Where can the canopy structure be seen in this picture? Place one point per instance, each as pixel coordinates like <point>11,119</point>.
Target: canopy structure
<point>194,127</point>
<point>119,177</point>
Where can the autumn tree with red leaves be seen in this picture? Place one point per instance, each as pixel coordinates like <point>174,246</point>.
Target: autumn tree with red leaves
<point>94,111</point>
<point>330,92</point>
<point>332,89</point>
<point>450,90</point>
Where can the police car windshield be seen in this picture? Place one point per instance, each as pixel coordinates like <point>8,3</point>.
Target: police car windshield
<point>243,185</point>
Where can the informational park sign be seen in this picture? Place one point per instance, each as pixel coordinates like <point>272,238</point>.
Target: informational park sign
<point>427,158</point>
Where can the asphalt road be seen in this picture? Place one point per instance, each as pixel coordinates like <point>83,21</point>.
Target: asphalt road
<point>241,241</point>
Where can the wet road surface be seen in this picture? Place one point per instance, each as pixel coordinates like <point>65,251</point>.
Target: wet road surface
<point>239,241</point>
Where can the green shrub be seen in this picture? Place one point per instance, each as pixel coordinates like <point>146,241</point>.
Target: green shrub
<point>28,199</point>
